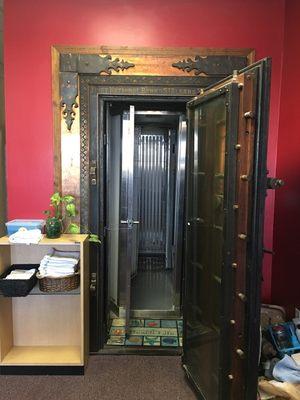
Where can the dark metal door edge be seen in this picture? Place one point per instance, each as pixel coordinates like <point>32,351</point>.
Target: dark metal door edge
<point>193,384</point>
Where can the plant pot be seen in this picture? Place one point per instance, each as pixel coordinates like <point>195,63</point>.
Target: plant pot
<point>53,228</point>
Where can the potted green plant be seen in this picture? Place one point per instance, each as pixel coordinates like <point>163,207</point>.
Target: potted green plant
<point>60,217</point>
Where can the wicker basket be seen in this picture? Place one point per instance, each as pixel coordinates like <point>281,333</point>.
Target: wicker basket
<point>64,284</point>
<point>18,287</point>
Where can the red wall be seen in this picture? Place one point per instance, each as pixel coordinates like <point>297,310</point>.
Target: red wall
<point>31,27</point>
<point>286,276</point>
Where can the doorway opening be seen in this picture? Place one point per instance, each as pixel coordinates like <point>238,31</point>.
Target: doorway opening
<point>223,229</point>
<point>145,183</point>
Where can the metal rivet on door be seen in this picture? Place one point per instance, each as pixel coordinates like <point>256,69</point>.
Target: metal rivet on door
<point>242,297</point>
<point>240,353</point>
<point>248,114</point>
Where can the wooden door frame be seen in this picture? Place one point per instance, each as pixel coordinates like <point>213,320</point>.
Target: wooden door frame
<point>81,73</point>
<point>121,61</point>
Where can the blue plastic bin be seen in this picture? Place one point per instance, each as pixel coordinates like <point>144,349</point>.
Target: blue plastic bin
<point>14,225</point>
<point>290,331</point>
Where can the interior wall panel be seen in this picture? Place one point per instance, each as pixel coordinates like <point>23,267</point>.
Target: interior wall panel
<point>286,274</point>
<point>2,132</point>
<point>224,24</point>
<point>152,169</point>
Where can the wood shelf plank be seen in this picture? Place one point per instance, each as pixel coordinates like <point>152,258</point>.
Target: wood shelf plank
<point>66,239</point>
<point>43,355</point>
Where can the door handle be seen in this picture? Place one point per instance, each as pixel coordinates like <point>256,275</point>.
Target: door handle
<point>274,183</point>
<point>129,222</point>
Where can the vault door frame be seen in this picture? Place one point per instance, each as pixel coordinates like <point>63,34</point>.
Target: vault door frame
<point>97,100</point>
<point>151,72</point>
<point>180,187</point>
<point>128,213</point>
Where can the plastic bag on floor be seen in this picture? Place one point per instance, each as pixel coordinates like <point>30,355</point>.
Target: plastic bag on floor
<point>283,390</point>
<point>286,370</point>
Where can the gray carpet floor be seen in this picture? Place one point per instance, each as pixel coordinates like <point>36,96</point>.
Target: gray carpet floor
<point>106,378</point>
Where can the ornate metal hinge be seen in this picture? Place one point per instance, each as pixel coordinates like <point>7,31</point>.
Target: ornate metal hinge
<point>69,92</point>
<point>92,63</point>
<point>96,64</point>
<point>71,65</point>
<point>107,64</point>
<point>189,65</point>
<point>212,65</point>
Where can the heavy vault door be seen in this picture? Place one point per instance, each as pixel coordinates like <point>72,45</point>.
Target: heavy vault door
<point>226,185</point>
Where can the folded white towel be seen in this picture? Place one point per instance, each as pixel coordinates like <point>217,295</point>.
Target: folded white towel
<point>58,266</point>
<point>49,264</point>
<point>71,260</point>
<point>66,259</point>
<point>54,275</point>
<point>61,266</point>
<point>18,274</point>
<point>59,262</point>
<point>63,271</point>
<point>25,236</point>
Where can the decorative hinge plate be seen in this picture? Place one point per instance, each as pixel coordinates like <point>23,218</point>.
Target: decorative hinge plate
<point>93,173</point>
<point>93,282</point>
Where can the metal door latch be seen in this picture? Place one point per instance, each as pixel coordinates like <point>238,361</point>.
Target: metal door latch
<point>93,282</point>
<point>274,183</point>
<point>93,173</point>
<point>129,222</point>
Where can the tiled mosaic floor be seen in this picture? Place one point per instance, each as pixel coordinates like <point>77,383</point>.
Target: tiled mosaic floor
<point>146,332</point>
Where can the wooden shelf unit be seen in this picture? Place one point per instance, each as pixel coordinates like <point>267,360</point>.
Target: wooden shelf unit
<point>45,330</point>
